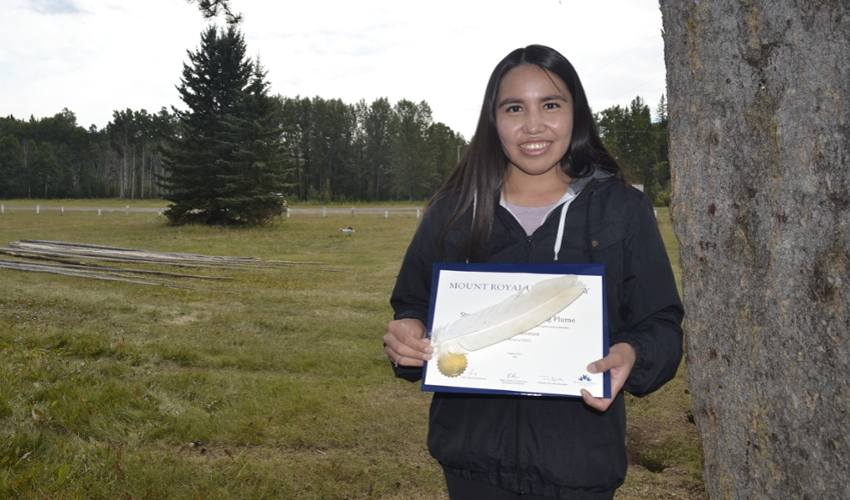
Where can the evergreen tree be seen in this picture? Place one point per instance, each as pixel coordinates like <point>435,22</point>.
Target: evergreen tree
<point>414,171</point>
<point>297,131</point>
<point>43,169</point>
<point>255,179</point>
<point>211,8</point>
<point>445,147</point>
<point>11,168</point>
<point>332,152</point>
<point>377,128</point>
<point>640,145</point>
<point>230,120</point>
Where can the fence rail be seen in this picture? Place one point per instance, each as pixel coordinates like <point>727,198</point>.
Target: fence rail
<point>353,211</point>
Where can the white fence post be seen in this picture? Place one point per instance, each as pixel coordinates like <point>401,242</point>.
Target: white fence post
<point>324,212</point>
<point>417,213</point>
<point>352,211</point>
<point>37,209</point>
<point>98,212</point>
<point>2,209</point>
<point>127,210</point>
<point>62,211</point>
<point>386,214</point>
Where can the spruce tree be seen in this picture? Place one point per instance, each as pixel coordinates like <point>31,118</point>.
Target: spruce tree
<point>255,175</point>
<point>207,167</point>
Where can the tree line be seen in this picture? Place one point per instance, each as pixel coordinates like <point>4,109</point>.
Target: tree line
<point>54,157</point>
<point>338,152</point>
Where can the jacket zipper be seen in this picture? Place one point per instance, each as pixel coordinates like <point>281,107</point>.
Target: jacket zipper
<point>517,455</point>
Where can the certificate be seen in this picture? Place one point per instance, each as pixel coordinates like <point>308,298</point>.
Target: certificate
<point>527,329</point>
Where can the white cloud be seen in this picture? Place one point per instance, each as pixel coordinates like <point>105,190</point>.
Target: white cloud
<point>53,6</point>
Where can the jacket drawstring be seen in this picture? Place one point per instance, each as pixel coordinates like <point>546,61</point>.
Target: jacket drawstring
<point>560,237</point>
<point>572,193</point>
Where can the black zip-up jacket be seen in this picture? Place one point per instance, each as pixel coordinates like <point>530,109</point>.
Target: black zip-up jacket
<point>553,446</point>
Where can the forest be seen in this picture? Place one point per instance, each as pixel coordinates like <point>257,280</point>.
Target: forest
<point>337,151</point>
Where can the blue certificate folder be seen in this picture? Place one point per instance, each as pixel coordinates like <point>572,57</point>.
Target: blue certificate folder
<point>549,360</point>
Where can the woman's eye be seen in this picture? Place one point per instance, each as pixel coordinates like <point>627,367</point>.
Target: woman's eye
<point>551,105</point>
<point>514,109</point>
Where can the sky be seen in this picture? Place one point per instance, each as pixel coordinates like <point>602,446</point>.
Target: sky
<point>97,56</point>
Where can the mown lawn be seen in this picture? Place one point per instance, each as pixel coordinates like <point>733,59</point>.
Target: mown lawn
<point>271,385</point>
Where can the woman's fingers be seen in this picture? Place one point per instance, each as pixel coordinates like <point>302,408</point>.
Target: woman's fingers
<point>404,343</point>
<point>620,360</point>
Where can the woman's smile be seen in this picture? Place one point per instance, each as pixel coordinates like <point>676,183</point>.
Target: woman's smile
<point>535,147</point>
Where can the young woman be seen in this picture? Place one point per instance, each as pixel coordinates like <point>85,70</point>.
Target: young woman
<point>538,185</point>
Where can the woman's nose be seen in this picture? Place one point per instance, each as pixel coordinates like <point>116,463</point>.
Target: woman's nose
<point>533,123</point>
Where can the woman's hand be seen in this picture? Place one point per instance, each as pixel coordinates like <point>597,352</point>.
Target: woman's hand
<point>405,344</point>
<point>620,360</point>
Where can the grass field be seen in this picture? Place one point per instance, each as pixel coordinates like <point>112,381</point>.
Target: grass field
<point>272,385</point>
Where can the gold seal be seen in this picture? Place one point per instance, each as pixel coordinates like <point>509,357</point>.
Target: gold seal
<point>451,364</point>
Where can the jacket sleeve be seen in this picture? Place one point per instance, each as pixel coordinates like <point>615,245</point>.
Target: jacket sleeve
<point>412,292</point>
<point>651,310</point>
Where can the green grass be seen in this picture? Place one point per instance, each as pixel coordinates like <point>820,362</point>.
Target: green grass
<point>277,389</point>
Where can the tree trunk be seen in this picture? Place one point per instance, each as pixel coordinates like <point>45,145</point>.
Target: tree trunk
<point>25,154</point>
<point>133,174</point>
<point>142,171</point>
<point>759,103</point>
<point>122,175</point>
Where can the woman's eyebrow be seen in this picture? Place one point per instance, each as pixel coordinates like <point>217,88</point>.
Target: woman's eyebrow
<point>509,100</point>
<point>517,100</point>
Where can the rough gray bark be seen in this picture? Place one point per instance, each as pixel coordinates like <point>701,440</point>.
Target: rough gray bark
<point>759,104</point>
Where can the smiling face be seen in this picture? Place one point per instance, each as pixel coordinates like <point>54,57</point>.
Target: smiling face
<point>534,119</point>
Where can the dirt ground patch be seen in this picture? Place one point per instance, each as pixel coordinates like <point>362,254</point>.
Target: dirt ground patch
<point>663,450</point>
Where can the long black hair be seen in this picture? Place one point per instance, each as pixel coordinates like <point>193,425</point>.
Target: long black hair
<point>479,175</point>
